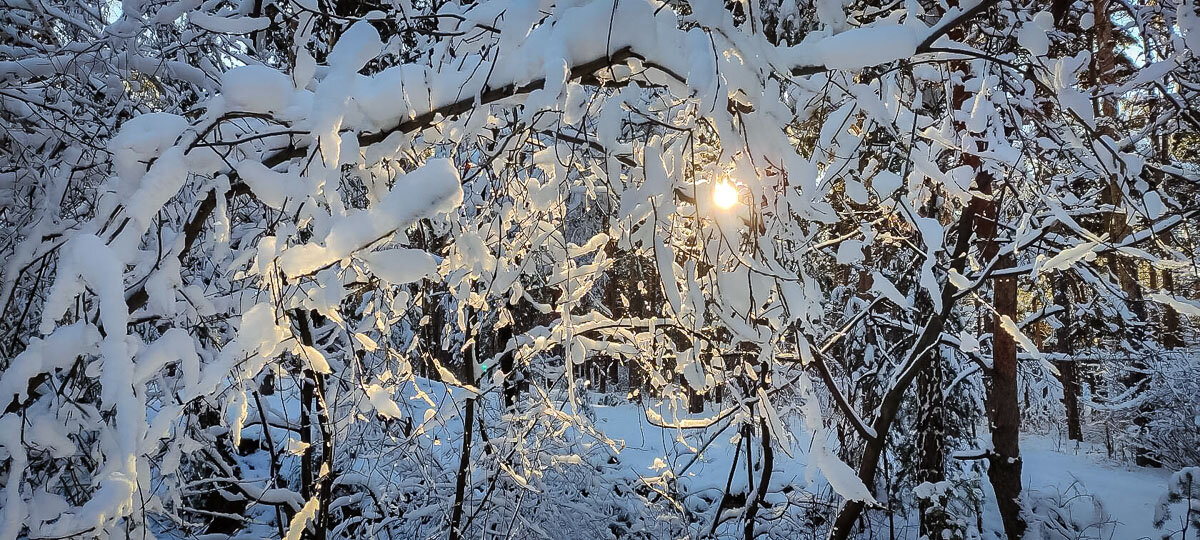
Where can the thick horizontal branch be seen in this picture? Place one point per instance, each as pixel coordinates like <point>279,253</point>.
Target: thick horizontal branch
<point>490,94</point>
<point>926,44</point>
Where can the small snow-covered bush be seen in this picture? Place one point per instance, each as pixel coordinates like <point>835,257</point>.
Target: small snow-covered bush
<point>1182,490</point>
<point>944,516</point>
<point>1068,514</point>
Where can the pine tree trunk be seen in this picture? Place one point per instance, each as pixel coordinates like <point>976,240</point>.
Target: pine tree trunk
<point>931,422</point>
<point>1170,319</point>
<point>931,436</point>
<point>1069,373</point>
<point>1171,338</point>
<point>1003,411</point>
<point>1124,268</point>
<point>1068,369</point>
<point>1003,403</point>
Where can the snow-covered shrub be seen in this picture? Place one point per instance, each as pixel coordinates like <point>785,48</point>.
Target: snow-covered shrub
<point>1172,434</point>
<point>1182,490</point>
<point>1147,405</point>
<point>1068,514</point>
<point>945,515</point>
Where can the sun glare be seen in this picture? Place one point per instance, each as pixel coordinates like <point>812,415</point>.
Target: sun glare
<point>725,195</point>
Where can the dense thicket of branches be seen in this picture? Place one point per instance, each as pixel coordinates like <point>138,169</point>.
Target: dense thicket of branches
<point>346,269</point>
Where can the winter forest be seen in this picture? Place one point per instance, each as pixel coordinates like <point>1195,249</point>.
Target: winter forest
<point>600,269</point>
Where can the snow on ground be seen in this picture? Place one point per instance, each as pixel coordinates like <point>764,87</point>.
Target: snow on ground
<point>1101,498</point>
<point>1128,493</point>
<point>1075,478</point>
<point>646,443</point>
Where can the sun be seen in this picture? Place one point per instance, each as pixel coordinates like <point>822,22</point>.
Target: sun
<point>725,195</point>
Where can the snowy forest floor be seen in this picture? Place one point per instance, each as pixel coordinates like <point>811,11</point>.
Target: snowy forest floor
<point>1072,491</point>
<point>1127,494</point>
<point>1100,497</point>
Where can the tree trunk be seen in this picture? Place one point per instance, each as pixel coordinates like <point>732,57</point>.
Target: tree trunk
<point>1003,406</point>
<point>1068,369</point>
<point>1005,461</point>
<point>1170,318</point>
<point>1171,338</point>
<point>326,472</point>
<point>1124,268</point>
<point>931,422</point>
<point>1069,374</point>
<point>931,436</point>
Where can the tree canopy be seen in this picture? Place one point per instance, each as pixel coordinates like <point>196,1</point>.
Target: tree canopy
<point>346,269</point>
